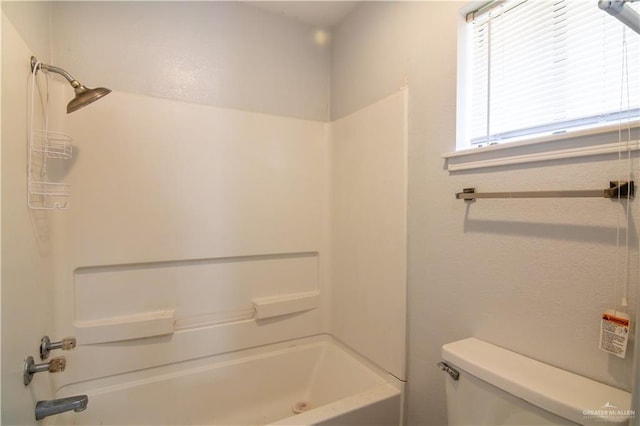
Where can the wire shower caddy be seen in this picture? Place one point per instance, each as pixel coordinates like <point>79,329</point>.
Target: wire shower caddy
<point>45,145</point>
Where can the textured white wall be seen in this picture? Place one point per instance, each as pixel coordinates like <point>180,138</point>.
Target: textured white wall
<point>528,275</point>
<point>31,19</point>
<point>26,249</point>
<point>226,54</point>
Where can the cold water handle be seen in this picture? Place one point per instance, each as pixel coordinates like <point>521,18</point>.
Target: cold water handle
<point>46,345</point>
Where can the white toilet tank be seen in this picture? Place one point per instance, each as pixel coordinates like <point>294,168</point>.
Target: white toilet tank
<point>499,387</point>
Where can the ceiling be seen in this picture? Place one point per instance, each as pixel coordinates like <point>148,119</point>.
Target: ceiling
<point>323,14</point>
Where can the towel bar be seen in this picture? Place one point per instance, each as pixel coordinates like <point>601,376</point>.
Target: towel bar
<point>617,189</point>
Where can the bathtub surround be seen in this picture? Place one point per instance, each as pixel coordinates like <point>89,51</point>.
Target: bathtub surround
<point>227,207</point>
<point>369,238</point>
<point>200,220</point>
<point>258,188</point>
<point>255,269</point>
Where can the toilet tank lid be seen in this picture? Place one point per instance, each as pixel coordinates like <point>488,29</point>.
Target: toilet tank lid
<point>563,393</point>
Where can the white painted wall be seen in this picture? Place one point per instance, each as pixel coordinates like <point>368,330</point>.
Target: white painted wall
<point>27,280</point>
<point>227,54</point>
<point>31,19</point>
<point>530,275</point>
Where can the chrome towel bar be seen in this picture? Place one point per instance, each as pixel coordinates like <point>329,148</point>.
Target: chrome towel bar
<point>617,189</point>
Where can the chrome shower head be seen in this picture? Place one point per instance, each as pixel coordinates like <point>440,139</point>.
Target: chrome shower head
<point>84,95</point>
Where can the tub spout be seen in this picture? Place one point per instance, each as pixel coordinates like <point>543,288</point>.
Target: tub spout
<point>57,406</point>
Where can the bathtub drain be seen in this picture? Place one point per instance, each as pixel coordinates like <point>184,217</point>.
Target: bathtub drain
<point>301,407</point>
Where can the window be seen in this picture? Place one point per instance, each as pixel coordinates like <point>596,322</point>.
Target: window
<point>535,68</point>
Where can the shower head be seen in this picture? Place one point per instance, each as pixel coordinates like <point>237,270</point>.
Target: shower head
<point>84,95</point>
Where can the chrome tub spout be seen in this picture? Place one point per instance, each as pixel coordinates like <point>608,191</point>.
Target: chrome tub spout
<point>57,406</point>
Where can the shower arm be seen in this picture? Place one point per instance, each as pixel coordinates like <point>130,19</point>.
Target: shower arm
<point>84,95</point>
<point>50,68</point>
<point>622,12</point>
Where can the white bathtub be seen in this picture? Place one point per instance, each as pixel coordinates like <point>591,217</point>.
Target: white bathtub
<point>251,387</point>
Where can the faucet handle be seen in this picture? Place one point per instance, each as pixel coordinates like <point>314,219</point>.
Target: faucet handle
<point>68,343</point>
<point>30,368</point>
<point>57,364</point>
<point>46,345</point>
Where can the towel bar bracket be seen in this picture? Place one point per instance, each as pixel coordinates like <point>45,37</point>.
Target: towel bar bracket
<point>621,189</point>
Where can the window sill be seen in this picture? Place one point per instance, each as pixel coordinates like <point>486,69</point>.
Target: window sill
<point>582,143</point>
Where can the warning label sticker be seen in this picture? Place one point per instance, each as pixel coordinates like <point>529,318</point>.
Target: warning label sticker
<point>614,334</point>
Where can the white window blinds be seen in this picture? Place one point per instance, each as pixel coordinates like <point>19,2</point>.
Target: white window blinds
<point>549,66</point>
